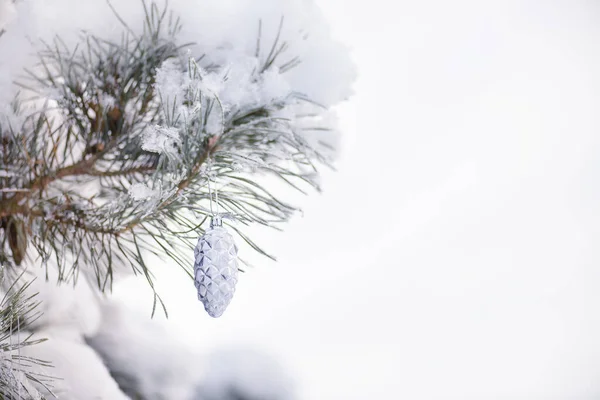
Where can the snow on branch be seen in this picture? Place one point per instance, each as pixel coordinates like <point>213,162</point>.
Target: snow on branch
<point>104,151</point>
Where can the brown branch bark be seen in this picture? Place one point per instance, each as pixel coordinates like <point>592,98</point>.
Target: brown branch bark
<point>16,205</point>
<point>124,172</point>
<point>13,205</point>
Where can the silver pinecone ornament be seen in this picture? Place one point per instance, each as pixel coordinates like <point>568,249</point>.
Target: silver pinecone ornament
<point>215,268</point>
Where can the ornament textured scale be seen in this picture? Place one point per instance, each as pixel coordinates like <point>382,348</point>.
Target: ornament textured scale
<point>215,268</point>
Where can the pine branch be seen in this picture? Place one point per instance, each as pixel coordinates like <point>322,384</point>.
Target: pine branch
<point>17,311</point>
<point>109,125</point>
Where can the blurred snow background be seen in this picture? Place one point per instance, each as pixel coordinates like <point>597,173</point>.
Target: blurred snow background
<point>454,254</point>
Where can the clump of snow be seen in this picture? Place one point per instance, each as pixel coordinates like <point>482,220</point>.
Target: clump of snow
<point>237,89</point>
<point>142,192</point>
<point>75,306</point>
<point>162,140</point>
<point>247,373</point>
<point>238,85</point>
<point>211,83</point>
<point>171,81</point>
<point>77,372</point>
<point>174,86</point>
<point>148,359</point>
<point>147,198</point>
<point>274,86</point>
<point>228,30</point>
<point>144,355</point>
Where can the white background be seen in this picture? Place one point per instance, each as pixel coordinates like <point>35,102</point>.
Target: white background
<point>454,254</point>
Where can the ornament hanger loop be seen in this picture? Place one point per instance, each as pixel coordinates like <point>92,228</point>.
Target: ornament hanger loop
<point>210,196</point>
